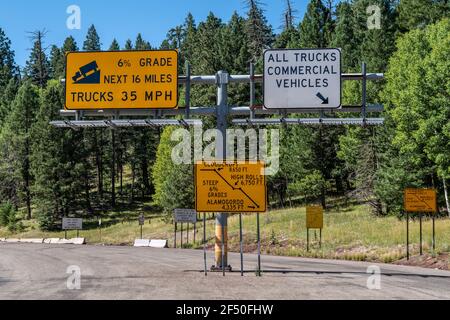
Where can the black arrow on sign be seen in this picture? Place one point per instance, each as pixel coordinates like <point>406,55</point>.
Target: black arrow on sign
<point>320,96</point>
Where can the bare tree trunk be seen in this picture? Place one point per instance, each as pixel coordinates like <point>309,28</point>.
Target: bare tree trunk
<point>447,203</point>
<point>113,169</point>
<point>98,162</point>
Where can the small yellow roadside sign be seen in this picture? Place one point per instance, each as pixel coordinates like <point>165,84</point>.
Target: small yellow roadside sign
<point>420,200</point>
<point>230,187</point>
<point>122,80</point>
<point>314,217</point>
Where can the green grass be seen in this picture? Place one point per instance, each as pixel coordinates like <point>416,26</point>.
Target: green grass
<point>351,233</point>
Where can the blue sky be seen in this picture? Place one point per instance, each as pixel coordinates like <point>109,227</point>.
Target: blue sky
<point>118,19</point>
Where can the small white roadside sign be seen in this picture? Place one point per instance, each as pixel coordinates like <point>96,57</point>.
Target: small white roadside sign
<point>302,78</point>
<point>72,224</point>
<point>185,215</point>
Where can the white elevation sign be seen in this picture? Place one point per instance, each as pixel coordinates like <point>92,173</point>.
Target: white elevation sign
<point>72,224</point>
<point>302,78</point>
<point>185,215</point>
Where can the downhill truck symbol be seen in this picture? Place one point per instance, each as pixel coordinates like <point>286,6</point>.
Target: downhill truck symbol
<point>88,74</point>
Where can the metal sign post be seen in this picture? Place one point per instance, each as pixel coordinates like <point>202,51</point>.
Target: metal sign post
<point>181,237</point>
<point>407,235</point>
<point>204,242</point>
<point>307,239</point>
<point>434,236</point>
<point>420,234</point>
<point>259,245</point>
<point>141,223</point>
<point>240,244</point>
<point>175,235</point>
<point>100,228</point>
<point>195,230</point>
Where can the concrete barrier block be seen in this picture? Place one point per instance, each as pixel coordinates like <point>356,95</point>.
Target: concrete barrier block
<point>141,242</point>
<point>32,240</point>
<point>51,240</point>
<point>64,241</point>
<point>12,240</point>
<point>158,243</point>
<point>38,240</point>
<point>78,241</point>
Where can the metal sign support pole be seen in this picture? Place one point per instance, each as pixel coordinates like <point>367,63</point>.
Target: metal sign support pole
<point>420,236</point>
<point>204,242</point>
<point>259,244</point>
<point>407,235</point>
<point>195,229</point>
<point>307,239</point>
<point>188,90</point>
<point>187,233</point>
<point>65,234</point>
<point>175,236</point>
<point>240,242</point>
<point>141,231</point>
<point>434,234</point>
<point>223,250</point>
<point>320,238</point>
<point>181,245</point>
<point>78,233</point>
<point>222,79</point>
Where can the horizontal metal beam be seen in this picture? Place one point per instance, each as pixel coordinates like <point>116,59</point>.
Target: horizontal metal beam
<point>125,123</point>
<point>199,111</point>
<point>309,121</point>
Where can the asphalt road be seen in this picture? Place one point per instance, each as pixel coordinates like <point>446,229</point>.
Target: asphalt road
<point>30,271</point>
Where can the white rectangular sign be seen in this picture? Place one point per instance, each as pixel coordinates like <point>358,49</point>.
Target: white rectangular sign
<point>302,78</point>
<point>185,215</point>
<point>72,224</point>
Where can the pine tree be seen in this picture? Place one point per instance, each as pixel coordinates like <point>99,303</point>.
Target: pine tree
<point>316,27</point>
<point>16,141</point>
<point>7,98</point>
<point>92,42</point>
<point>190,33</point>
<point>128,45</point>
<point>114,46</point>
<point>69,45</point>
<point>56,63</point>
<point>344,37</point>
<point>47,160</point>
<point>8,68</point>
<point>38,67</point>
<point>259,32</point>
<point>414,14</point>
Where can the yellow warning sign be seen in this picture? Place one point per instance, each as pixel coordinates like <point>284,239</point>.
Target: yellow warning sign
<point>314,217</point>
<point>230,187</point>
<point>122,79</point>
<point>420,200</point>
